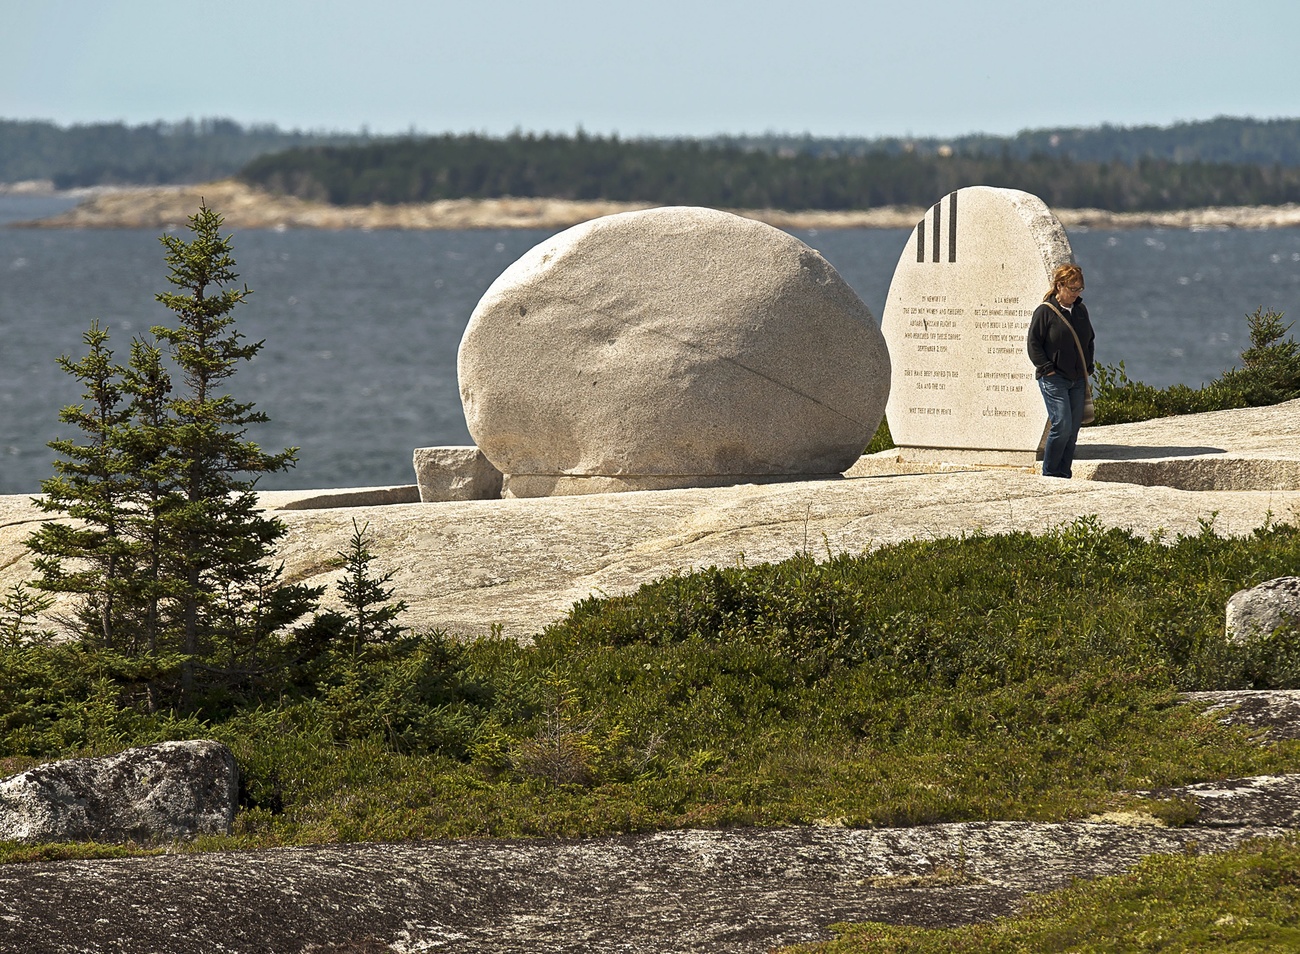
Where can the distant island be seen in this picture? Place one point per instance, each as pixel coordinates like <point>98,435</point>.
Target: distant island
<point>161,153</point>
<point>245,207</point>
<point>1220,163</point>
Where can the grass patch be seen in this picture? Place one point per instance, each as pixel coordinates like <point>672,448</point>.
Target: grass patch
<point>987,677</point>
<point>1243,900</point>
<point>883,439</point>
<point>16,853</point>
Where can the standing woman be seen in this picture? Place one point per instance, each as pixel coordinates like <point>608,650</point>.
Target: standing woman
<point>1062,364</point>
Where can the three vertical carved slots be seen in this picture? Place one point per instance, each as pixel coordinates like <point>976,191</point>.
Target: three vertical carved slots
<point>937,230</point>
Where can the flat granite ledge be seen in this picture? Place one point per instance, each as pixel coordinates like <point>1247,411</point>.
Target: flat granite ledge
<point>468,566</point>
<point>341,497</point>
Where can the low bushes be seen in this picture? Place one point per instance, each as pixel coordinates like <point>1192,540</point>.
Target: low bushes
<point>1269,374</point>
<point>1010,676</point>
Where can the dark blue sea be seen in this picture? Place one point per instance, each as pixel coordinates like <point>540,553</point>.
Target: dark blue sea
<point>361,327</point>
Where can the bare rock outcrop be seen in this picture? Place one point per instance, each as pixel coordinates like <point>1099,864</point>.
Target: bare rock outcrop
<point>739,890</point>
<point>1273,713</point>
<point>455,473</point>
<point>163,792</point>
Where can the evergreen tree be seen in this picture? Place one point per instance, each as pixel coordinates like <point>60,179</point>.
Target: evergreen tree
<point>369,616</point>
<point>1271,364</point>
<point>19,611</point>
<point>148,455</point>
<point>216,540</point>
<point>91,487</point>
<point>172,555</point>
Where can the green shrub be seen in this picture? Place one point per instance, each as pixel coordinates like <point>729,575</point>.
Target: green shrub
<point>1007,676</point>
<point>1269,374</point>
<point>1270,367</point>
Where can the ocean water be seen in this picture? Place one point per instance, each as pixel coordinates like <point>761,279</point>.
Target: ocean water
<point>361,327</point>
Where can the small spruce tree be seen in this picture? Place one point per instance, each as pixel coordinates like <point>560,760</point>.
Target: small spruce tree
<point>90,556</point>
<point>1270,371</point>
<point>19,613</point>
<point>369,615</point>
<point>171,553</point>
<point>226,597</point>
<point>146,453</point>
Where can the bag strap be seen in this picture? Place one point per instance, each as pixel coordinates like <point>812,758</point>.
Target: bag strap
<point>1077,343</point>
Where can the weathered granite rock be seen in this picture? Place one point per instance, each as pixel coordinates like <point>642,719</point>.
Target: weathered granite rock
<point>1188,473</point>
<point>330,499</point>
<point>958,309</point>
<point>1274,714</point>
<point>671,347</point>
<point>1260,610</point>
<point>1261,800</point>
<point>455,473</point>
<point>521,564</point>
<point>156,793</point>
<point>736,890</point>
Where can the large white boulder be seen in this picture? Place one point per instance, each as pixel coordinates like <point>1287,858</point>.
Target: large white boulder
<point>670,347</point>
<point>155,793</point>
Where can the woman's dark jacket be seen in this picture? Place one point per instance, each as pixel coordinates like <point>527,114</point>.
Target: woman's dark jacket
<point>1051,346</point>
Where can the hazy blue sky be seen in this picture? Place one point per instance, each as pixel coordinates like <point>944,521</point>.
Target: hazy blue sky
<point>658,67</point>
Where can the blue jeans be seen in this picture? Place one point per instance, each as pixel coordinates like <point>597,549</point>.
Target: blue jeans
<point>1064,400</point>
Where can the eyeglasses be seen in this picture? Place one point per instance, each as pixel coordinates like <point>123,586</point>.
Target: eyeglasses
<point>1073,288</point>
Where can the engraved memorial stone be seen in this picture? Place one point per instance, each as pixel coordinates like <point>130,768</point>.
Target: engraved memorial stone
<point>956,317</point>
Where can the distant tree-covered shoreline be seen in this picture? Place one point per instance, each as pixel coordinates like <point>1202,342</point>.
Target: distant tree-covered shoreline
<point>1223,161</point>
<point>153,154</point>
<point>689,172</point>
<point>1224,139</point>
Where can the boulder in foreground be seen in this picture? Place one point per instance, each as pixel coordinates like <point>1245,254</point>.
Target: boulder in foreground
<point>163,792</point>
<point>1260,610</point>
<point>455,473</point>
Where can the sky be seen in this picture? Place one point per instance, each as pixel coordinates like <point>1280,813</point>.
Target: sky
<point>654,68</point>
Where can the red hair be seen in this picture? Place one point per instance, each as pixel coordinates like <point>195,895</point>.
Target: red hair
<point>1068,274</point>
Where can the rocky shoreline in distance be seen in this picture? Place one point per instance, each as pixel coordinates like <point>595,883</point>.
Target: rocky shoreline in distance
<point>163,207</point>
